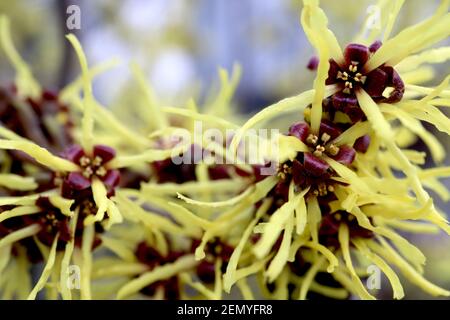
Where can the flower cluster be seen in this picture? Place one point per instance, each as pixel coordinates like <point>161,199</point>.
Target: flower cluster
<point>79,187</point>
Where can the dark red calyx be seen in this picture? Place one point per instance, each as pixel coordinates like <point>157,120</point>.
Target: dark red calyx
<point>313,63</point>
<point>90,166</point>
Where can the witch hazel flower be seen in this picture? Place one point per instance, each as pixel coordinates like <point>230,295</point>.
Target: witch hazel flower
<point>161,265</point>
<point>313,171</point>
<point>356,88</point>
<point>351,77</point>
<point>335,195</point>
<point>90,167</point>
<point>69,212</point>
<point>346,82</point>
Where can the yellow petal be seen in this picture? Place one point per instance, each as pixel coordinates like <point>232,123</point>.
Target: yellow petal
<point>47,271</point>
<point>27,86</point>
<point>158,273</point>
<point>41,155</point>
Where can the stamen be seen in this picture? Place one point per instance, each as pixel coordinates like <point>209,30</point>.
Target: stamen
<point>84,161</point>
<point>343,76</point>
<point>101,171</point>
<point>319,151</point>
<point>282,175</point>
<point>333,150</point>
<point>312,139</point>
<point>87,172</point>
<point>97,161</point>
<point>322,189</point>
<point>325,137</point>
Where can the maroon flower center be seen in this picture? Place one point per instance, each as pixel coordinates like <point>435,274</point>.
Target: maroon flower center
<point>214,250</point>
<point>52,222</point>
<point>351,75</point>
<point>352,78</point>
<point>310,169</point>
<point>329,228</point>
<point>153,258</point>
<point>94,165</point>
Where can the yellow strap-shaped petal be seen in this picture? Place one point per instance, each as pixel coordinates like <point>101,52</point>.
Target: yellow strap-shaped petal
<point>19,211</point>
<point>156,118</point>
<point>26,85</point>
<point>66,294</point>
<point>412,275</point>
<point>20,234</point>
<point>16,182</point>
<point>47,271</point>
<point>229,276</point>
<point>221,104</point>
<point>309,277</point>
<point>86,266</point>
<point>87,123</point>
<point>159,273</point>
<point>315,23</point>
<point>41,155</point>
<point>390,274</point>
<point>344,239</point>
<point>298,102</point>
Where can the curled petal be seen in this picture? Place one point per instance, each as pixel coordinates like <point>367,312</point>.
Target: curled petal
<point>77,181</point>
<point>299,130</point>
<point>376,82</point>
<point>104,152</point>
<point>314,165</point>
<point>341,101</point>
<point>73,153</point>
<point>397,83</point>
<point>357,53</point>
<point>332,72</point>
<point>346,155</point>
<point>362,144</point>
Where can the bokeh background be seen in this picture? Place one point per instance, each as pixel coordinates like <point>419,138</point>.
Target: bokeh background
<point>180,44</point>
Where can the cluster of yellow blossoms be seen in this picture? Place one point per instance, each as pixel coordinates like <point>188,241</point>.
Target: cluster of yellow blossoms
<point>92,198</point>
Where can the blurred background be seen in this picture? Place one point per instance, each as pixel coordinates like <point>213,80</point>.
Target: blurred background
<point>180,44</point>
